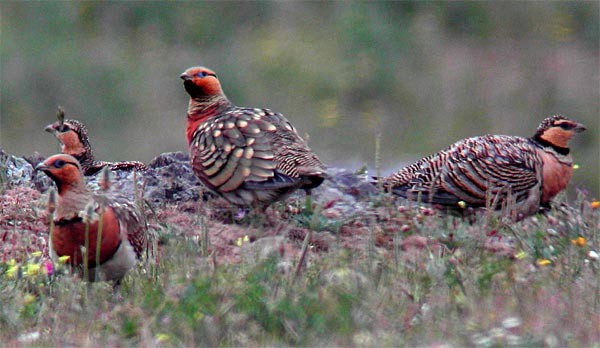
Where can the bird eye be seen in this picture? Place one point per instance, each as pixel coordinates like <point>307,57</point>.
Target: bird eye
<point>204,73</point>
<point>59,163</point>
<point>566,126</point>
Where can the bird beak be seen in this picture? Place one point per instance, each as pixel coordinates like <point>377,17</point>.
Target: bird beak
<point>42,167</point>
<point>185,77</point>
<point>50,129</point>
<point>579,128</point>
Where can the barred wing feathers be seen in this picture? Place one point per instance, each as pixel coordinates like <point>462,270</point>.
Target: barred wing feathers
<point>477,169</point>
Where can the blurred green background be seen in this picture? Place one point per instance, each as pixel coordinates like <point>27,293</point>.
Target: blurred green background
<point>425,73</point>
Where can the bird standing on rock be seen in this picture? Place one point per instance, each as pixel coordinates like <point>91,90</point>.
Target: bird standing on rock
<point>496,171</point>
<point>73,137</point>
<point>115,226</point>
<point>251,157</point>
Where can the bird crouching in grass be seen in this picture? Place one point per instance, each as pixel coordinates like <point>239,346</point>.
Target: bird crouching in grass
<point>74,141</point>
<point>498,171</point>
<point>106,227</point>
<point>251,157</point>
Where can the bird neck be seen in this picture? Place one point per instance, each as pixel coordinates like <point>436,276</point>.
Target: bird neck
<point>72,199</point>
<point>78,146</point>
<point>87,161</point>
<point>201,109</point>
<point>562,150</point>
<point>88,154</point>
<point>206,106</point>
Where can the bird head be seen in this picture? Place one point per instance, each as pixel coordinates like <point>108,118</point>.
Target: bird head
<point>201,82</point>
<point>71,134</point>
<point>64,170</point>
<point>558,130</point>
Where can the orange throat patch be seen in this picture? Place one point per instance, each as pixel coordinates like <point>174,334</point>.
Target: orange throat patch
<point>557,137</point>
<point>71,144</point>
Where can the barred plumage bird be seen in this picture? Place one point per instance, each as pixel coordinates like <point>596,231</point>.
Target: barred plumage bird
<point>251,157</point>
<point>490,170</point>
<point>74,140</point>
<point>123,232</point>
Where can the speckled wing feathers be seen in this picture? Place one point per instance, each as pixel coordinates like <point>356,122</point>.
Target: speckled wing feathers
<point>400,181</point>
<point>250,149</point>
<point>474,170</point>
<point>232,148</point>
<point>130,218</point>
<point>86,158</point>
<point>294,158</point>
<point>126,166</point>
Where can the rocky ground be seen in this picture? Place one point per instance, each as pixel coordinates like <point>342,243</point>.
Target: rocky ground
<point>348,213</point>
<point>419,276</point>
<point>177,205</point>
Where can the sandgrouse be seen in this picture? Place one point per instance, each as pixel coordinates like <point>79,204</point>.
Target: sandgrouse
<point>496,171</point>
<point>123,235</point>
<point>73,137</point>
<point>251,157</point>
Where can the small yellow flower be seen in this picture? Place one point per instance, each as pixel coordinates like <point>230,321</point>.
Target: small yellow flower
<point>12,262</point>
<point>579,241</point>
<point>521,255</point>
<point>462,204</point>
<point>32,269</point>
<point>543,262</point>
<point>575,166</point>
<point>29,298</point>
<point>64,259</point>
<point>162,337</point>
<point>36,254</point>
<point>241,241</point>
<point>595,204</point>
<point>11,273</point>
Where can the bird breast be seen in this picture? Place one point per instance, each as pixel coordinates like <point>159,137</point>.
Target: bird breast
<point>69,238</point>
<point>555,175</point>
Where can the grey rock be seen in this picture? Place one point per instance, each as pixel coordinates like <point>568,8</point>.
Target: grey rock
<point>350,183</point>
<point>171,179</point>
<point>41,181</point>
<point>15,171</point>
<point>343,194</point>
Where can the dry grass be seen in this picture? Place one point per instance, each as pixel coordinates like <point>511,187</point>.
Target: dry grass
<point>395,276</point>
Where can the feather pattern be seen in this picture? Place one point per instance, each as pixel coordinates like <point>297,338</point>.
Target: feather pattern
<point>250,156</point>
<point>74,139</point>
<point>107,216</point>
<point>490,170</point>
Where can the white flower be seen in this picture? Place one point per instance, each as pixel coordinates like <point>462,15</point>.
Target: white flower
<point>511,323</point>
<point>29,337</point>
<point>513,340</point>
<point>497,333</point>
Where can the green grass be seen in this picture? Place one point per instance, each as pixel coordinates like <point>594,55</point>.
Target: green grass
<point>441,280</point>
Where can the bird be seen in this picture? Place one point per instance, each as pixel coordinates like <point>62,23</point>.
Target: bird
<point>495,171</point>
<point>252,157</point>
<point>74,140</point>
<point>114,224</point>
